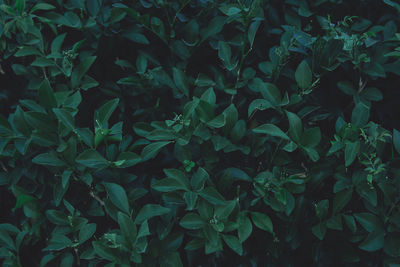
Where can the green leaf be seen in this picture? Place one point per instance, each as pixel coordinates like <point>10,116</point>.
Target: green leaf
<point>46,95</point>
<point>190,199</point>
<point>295,126</point>
<point>225,54</point>
<point>223,211</point>
<point>251,33</point>
<point>57,43</point>
<point>118,196</point>
<point>319,230</point>
<point>374,241</point>
<point>128,228</point>
<point>65,117</point>
<point>321,208</point>
<point>42,6</point>
<point>215,26</point>
<point>20,5</point>
<point>23,199</point>
<point>369,221</point>
<point>258,104</point>
<point>346,87</point>
<point>151,150</point>
<point>391,246</point>
<point>86,232</point>
<point>271,129</point>
<point>396,140</point>
<point>238,131</point>
<point>212,195</point>
<point>92,159</point>
<point>81,70</point>
<point>351,152</point>
<point>199,178</point>
<point>6,239</point>
<point>245,227</point>
<point>341,199</point>
<point>217,122</point>
<point>58,242</point>
<point>104,112</point>
<point>311,137</point>
<point>178,176</point>
<point>181,81</point>
<point>268,90</point>
<point>128,159</point>
<point>360,114</point>
<point>262,221</point>
<point>168,185</point>
<point>48,159</point>
<point>27,51</point>
<point>350,222</point>
<point>57,217</point>
<point>105,252</point>
<point>303,75</point>
<point>191,221</point>
<point>136,37</point>
<point>149,211</point>
<point>233,243</point>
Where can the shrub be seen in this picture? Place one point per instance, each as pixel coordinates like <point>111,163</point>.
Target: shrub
<point>199,133</point>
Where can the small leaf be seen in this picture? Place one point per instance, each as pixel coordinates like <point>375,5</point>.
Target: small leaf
<point>303,75</point>
<point>262,221</point>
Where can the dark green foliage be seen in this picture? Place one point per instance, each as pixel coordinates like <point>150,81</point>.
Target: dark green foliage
<point>199,133</point>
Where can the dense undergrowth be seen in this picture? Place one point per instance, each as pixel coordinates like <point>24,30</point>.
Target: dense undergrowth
<point>199,133</point>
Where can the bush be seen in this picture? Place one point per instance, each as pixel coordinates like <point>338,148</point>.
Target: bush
<point>199,133</point>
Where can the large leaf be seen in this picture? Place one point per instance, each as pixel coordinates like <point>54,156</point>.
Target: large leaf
<point>118,196</point>
<point>271,129</point>
<point>151,150</point>
<point>192,221</point>
<point>92,159</point>
<point>81,70</point>
<point>105,111</point>
<point>149,211</point>
<point>295,126</point>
